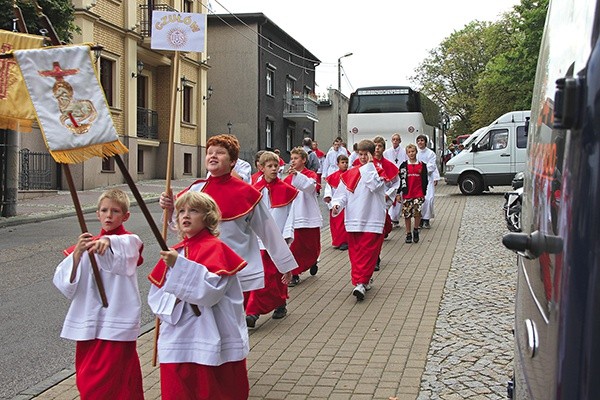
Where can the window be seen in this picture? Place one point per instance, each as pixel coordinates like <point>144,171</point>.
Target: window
<point>521,137</point>
<point>269,134</point>
<point>187,104</point>
<point>140,161</point>
<point>188,6</point>
<point>187,163</point>
<point>270,79</point>
<point>494,140</point>
<point>289,89</point>
<point>108,164</point>
<point>107,73</point>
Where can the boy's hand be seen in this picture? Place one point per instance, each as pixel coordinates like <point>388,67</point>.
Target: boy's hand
<point>335,210</point>
<point>327,199</point>
<point>370,157</point>
<point>166,202</point>
<point>286,278</point>
<point>169,257</point>
<point>84,243</point>
<point>100,246</point>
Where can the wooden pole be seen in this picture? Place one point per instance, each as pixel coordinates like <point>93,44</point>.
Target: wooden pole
<point>84,229</point>
<point>169,173</point>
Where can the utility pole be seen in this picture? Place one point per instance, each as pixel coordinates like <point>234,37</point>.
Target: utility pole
<point>339,95</point>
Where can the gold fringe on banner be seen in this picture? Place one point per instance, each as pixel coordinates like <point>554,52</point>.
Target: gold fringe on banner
<point>80,154</point>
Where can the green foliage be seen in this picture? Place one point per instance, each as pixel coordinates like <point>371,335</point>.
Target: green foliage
<point>485,69</point>
<point>59,12</point>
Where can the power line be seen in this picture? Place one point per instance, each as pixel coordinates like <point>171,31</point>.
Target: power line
<point>260,35</point>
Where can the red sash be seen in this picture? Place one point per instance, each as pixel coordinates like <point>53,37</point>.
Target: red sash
<point>206,249</point>
<point>351,180</point>
<point>234,197</point>
<point>319,153</point>
<point>117,231</point>
<point>390,169</point>
<point>280,193</point>
<point>255,177</point>
<point>334,179</point>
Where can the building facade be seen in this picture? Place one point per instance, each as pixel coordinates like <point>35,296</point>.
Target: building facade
<point>138,83</point>
<point>263,82</point>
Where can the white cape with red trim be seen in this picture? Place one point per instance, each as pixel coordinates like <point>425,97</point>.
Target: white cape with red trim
<point>69,103</point>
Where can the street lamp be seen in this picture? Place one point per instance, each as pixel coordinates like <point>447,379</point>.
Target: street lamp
<point>229,126</point>
<point>340,71</point>
<point>339,95</point>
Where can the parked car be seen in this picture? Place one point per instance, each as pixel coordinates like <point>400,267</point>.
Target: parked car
<point>557,304</point>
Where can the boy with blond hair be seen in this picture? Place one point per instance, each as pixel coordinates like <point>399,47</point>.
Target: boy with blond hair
<point>106,359</point>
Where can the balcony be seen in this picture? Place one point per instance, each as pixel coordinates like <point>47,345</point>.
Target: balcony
<point>147,123</point>
<point>301,107</point>
<point>145,17</point>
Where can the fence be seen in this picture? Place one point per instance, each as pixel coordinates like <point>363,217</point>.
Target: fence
<point>37,171</point>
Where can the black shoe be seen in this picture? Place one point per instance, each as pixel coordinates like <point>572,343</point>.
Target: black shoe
<point>295,280</point>
<point>314,269</point>
<point>426,225</point>
<point>251,320</point>
<point>409,238</point>
<point>343,246</point>
<point>415,236</point>
<point>421,223</point>
<point>279,312</point>
<point>377,266</point>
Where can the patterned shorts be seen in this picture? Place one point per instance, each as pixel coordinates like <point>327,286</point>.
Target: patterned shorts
<point>412,207</point>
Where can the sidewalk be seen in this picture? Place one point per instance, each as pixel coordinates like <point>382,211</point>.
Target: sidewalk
<point>329,346</point>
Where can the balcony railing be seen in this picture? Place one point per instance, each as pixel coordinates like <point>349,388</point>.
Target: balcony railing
<point>145,17</point>
<point>300,107</point>
<point>147,123</point>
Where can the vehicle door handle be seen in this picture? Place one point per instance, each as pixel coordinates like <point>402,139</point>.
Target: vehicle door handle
<point>504,155</point>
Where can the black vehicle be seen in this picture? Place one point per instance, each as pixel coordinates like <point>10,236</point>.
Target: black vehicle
<point>557,311</point>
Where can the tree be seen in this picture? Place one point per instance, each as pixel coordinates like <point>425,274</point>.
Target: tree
<point>450,73</point>
<point>508,79</point>
<point>59,12</point>
<point>486,69</point>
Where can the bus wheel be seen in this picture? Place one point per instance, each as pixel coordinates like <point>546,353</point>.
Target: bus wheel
<point>470,184</point>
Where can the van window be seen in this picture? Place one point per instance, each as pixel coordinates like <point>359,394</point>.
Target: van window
<point>496,139</point>
<point>521,137</point>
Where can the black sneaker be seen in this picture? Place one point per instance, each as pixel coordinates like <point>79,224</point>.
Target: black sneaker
<point>343,247</point>
<point>426,224</point>
<point>415,236</point>
<point>279,312</point>
<point>251,320</point>
<point>295,280</point>
<point>409,238</point>
<point>377,266</point>
<point>314,269</point>
<point>421,223</point>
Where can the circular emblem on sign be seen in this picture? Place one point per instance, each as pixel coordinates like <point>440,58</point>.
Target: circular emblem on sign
<point>411,129</point>
<point>355,130</point>
<point>177,37</point>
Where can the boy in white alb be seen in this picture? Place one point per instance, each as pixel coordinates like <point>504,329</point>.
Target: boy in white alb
<point>198,297</point>
<point>397,155</point>
<point>362,194</point>
<point>106,360</point>
<point>306,246</point>
<point>426,155</point>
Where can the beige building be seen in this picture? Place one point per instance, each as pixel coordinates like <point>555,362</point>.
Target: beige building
<point>138,83</point>
<point>333,119</point>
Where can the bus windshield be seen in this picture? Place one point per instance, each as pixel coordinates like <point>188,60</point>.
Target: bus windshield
<point>383,101</point>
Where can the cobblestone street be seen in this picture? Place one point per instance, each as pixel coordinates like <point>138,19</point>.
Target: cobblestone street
<point>471,351</point>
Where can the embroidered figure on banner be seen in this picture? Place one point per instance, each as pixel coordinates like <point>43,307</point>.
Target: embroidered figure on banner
<point>76,115</point>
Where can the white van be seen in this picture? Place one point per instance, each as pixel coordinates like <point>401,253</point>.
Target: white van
<point>498,153</point>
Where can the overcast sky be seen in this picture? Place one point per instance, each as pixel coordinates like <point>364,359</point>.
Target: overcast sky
<point>388,38</point>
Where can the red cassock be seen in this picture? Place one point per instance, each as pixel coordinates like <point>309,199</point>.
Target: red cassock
<point>275,292</point>
<point>337,227</point>
<point>363,250</point>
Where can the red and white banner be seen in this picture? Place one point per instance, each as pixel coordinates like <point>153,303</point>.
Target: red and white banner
<point>69,103</point>
<point>178,31</point>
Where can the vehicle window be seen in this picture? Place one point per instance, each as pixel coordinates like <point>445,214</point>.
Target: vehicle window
<point>521,138</point>
<point>494,140</point>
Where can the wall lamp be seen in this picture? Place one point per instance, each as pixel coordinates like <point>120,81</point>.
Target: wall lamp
<point>140,68</point>
<point>184,82</point>
<point>97,49</point>
<point>209,93</point>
